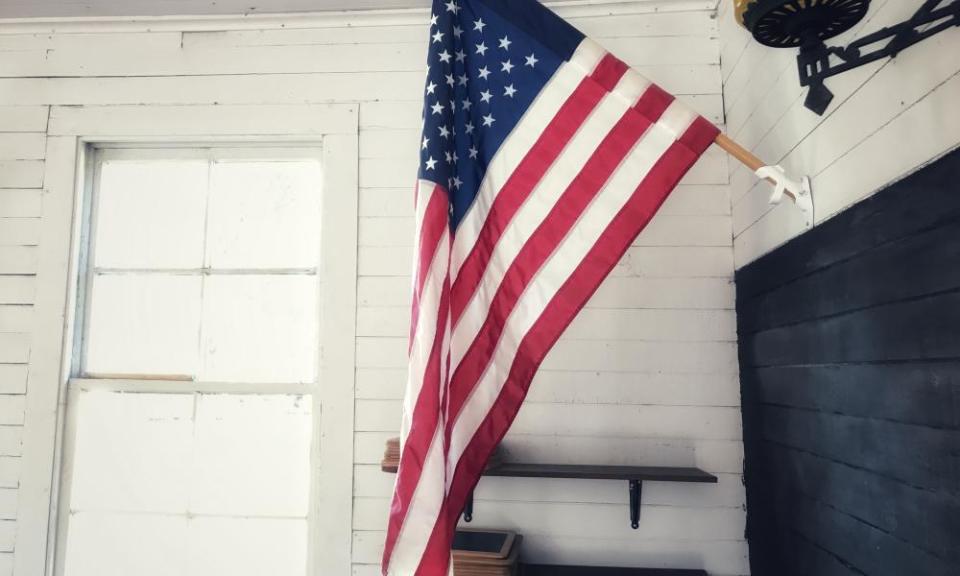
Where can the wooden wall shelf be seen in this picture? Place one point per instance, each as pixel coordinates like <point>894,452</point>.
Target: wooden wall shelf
<point>634,475</point>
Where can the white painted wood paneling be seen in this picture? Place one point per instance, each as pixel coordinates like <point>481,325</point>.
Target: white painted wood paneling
<point>888,119</point>
<point>25,118</point>
<point>25,146</point>
<point>19,203</point>
<point>199,121</point>
<point>646,375</point>
<point>13,378</point>
<point>21,173</point>
<point>17,289</point>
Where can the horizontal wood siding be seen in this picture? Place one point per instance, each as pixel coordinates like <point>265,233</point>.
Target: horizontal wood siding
<point>850,371</point>
<point>22,153</point>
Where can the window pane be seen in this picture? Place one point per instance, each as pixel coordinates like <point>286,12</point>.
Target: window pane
<point>264,215</point>
<point>252,470</point>
<point>132,452</point>
<point>121,544</point>
<point>247,547</point>
<point>143,324</point>
<point>183,484</point>
<point>150,214</point>
<point>259,329</point>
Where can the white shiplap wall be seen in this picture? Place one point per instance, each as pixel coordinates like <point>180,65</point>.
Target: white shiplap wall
<point>647,374</point>
<point>888,118</point>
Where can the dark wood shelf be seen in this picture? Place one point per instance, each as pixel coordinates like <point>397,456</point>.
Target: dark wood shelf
<point>634,475</point>
<point>587,472</point>
<point>584,472</point>
<point>549,570</point>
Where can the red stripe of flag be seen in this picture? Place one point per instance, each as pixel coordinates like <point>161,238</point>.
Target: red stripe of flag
<point>426,416</point>
<point>431,231</point>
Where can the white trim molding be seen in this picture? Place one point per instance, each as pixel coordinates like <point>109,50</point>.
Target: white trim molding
<point>48,358</point>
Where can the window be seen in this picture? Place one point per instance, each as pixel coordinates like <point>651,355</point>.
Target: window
<point>195,364</point>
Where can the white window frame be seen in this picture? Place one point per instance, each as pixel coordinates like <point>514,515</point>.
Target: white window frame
<point>74,136</point>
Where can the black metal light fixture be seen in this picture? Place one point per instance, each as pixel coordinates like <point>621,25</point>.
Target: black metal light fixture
<point>807,24</point>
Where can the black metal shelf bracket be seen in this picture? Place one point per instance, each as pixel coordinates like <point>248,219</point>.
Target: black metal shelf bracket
<point>817,61</point>
<point>636,489</point>
<point>468,508</point>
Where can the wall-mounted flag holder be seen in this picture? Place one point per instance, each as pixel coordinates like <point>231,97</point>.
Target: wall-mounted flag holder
<point>798,190</point>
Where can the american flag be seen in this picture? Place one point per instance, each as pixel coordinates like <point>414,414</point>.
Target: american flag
<point>542,157</point>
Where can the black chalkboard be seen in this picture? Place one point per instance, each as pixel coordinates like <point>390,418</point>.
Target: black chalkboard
<point>850,383</point>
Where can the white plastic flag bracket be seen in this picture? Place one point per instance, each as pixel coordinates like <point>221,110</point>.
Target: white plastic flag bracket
<point>799,191</point>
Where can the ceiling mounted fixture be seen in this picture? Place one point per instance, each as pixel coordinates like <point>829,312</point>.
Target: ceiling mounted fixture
<point>807,24</point>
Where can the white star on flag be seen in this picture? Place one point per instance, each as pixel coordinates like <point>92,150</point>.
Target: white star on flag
<point>532,60</point>
<point>505,42</point>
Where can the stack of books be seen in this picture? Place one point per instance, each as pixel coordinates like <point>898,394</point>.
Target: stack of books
<point>391,455</point>
<point>486,553</point>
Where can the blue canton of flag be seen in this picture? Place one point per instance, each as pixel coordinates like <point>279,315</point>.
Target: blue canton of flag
<point>483,72</point>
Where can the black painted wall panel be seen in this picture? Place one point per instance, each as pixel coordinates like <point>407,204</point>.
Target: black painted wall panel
<point>850,379</point>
